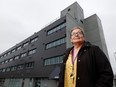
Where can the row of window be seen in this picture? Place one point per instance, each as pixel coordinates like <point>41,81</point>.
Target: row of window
<point>56,28</point>
<point>53,60</point>
<point>56,43</point>
<point>19,47</point>
<point>18,67</point>
<point>33,51</point>
<point>35,39</point>
<point>30,52</point>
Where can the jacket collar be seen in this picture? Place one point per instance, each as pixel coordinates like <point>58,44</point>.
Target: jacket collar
<point>85,45</point>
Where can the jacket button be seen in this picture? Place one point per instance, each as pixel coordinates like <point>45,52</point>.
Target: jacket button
<point>79,60</point>
<point>78,78</point>
<point>85,50</point>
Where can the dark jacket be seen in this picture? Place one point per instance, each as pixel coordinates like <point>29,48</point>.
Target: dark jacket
<point>93,68</point>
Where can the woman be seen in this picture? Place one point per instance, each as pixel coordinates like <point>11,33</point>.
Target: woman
<point>84,65</point>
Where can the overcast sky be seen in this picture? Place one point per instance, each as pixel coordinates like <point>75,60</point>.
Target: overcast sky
<point>20,19</point>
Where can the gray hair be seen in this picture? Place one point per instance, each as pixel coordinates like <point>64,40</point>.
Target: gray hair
<point>78,27</point>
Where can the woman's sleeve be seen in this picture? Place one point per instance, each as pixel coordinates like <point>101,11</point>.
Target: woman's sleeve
<point>103,69</point>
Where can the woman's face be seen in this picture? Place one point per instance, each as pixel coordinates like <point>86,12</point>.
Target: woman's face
<point>77,36</point>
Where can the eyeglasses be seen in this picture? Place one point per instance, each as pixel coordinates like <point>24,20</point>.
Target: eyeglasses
<point>76,33</point>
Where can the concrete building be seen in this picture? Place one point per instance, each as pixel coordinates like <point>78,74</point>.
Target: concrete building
<point>35,61</point>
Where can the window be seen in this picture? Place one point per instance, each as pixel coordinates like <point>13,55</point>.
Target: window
<point>6,61</point>
<point>13,50</point>
<point>32,51</point>
<point>3,70</point>
<point>8,69</point>
<point>19,48</point>
<point>20,67</point>
<point>25,44</point>
<point>3,62</point>
<point>29,65</point>
<point>5,54</point>
<point>63,25</point>
<point>9,53</point>
<point>16,57</point>
<point>13,68</point>
<point>56,28</point>
<point>1,57</point>
<point>34,39</point>
<point>56,43</point>
<point>11,59</point>
<point>23,55</point>
<point>53,60</point>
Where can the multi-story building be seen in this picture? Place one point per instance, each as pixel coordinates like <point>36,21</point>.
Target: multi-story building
<point>35,61</point>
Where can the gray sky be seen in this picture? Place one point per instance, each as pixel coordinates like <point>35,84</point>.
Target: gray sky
<point>20,19</point>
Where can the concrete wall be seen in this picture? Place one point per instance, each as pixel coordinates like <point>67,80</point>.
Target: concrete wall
<point>94,32</point>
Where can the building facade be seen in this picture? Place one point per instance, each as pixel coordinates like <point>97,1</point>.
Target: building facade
<point>35,61</point>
